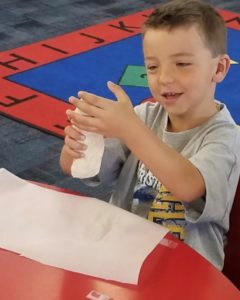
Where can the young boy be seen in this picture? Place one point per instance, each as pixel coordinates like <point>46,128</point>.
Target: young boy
<point>181,153</point>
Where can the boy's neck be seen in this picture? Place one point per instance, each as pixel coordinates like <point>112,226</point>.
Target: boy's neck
<point>183,123</point>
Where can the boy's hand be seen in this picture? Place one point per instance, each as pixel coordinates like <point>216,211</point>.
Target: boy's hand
<point>107,117</point>
<point>73,142</point>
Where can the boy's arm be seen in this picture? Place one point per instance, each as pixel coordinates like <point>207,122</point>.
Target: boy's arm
<point>65,161</point>
<point>172,169</point>
<point>118,119</point>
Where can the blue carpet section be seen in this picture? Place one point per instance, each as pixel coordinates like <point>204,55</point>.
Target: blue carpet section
<point>92,69</point>
<point>229,90</point>
<point>88,71</point>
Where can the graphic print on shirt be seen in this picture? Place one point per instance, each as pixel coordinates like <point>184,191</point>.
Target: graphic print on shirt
<point>169,212</point>
<point>145,191</point>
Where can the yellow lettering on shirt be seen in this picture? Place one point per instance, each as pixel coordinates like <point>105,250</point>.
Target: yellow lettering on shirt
<point>169,212</point>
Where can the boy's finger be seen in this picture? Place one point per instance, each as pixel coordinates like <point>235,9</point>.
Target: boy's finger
<point>73,100</point>
<point>118,92</point>
<point>92,99</point>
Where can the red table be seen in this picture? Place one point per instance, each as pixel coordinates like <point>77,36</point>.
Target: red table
<point>170,272</point>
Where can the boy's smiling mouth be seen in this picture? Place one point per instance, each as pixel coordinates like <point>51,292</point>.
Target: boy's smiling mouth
<point>171,96</point>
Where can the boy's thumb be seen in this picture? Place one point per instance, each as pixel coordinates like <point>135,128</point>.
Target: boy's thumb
<point>118,92</point>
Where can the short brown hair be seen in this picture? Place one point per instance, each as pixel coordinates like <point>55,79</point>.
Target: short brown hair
<point>177,13</point>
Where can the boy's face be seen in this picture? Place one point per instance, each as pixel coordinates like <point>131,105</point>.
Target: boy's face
<point>180,70</point>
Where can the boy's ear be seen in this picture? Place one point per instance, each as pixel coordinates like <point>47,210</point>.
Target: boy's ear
<point>223,66</point>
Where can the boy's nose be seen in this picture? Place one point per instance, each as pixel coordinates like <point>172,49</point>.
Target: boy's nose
<point>165,77</point>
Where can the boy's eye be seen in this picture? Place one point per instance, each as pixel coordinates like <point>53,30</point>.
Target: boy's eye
<point>183,64</point>
<point>151,68</point>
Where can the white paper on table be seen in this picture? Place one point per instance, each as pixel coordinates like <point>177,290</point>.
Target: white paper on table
<point>79,234</point>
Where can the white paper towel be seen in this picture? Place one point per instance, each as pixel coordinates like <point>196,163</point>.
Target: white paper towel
<point>89,165</point>
<point>80,234</point>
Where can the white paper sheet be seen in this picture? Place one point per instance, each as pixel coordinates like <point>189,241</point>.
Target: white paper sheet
<point>75,233</point>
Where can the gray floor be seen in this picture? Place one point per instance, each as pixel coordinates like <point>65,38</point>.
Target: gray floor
<point>28,152</point>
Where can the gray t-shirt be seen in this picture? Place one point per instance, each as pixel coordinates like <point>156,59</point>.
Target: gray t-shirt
<point>213,148</point>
